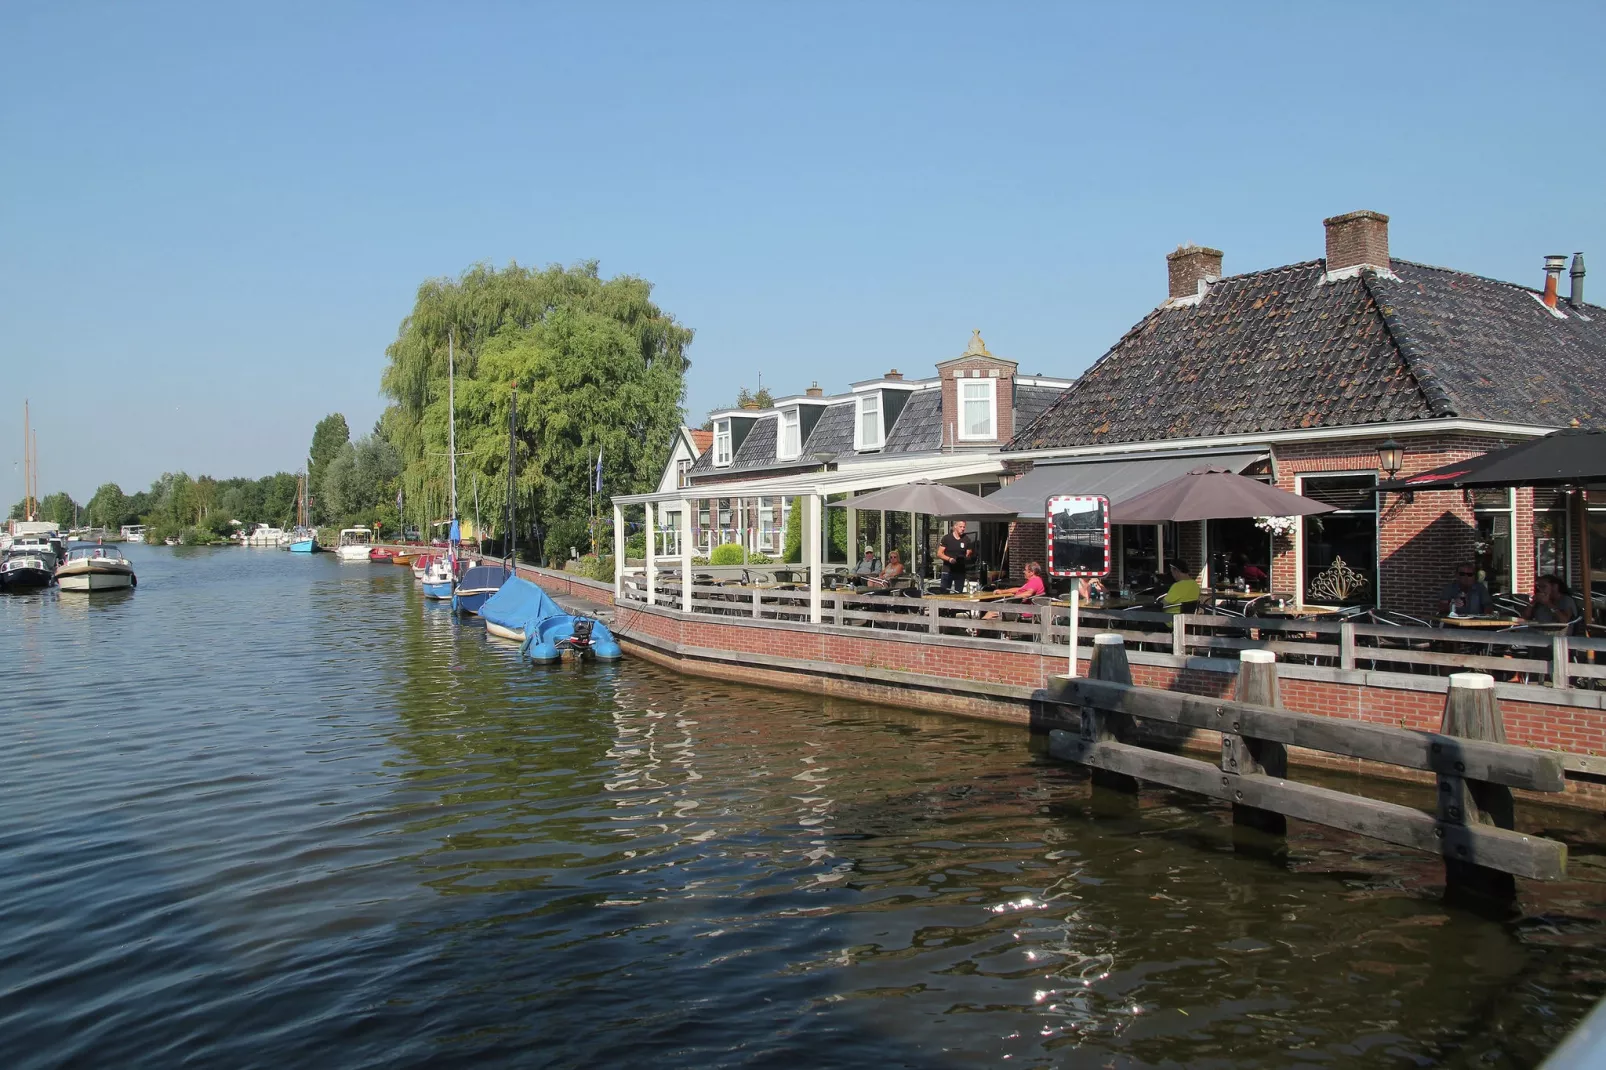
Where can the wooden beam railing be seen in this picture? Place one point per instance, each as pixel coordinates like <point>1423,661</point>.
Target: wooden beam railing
<point>1475,768</point>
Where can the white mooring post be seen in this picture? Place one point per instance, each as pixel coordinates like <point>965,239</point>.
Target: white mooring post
<point>1471,711</point>
<point>1076,612</point>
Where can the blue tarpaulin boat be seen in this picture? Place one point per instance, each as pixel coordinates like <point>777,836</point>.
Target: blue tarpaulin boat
<point>522,611</point>
<point>478,584</point>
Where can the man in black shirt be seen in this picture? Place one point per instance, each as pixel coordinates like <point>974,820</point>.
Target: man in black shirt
<point>955,554</point>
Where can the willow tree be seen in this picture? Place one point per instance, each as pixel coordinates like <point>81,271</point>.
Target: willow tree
<point>598,367</point>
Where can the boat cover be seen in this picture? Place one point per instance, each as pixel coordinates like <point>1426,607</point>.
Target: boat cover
<point>522,606</point>
<point>483,578</point>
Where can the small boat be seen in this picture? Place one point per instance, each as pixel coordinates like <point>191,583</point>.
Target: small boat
<point>96,568</point>
<point>262,535</point>
<point>420,564</point>
<point>523,612</point>
<point>354,544</point>
<point>382,554</point>
<point>403,557</point>
<point>23,570</point>
<point>438,580</point>
<point>478,584</point>
<point>302,541</point>
<point>44,546</point>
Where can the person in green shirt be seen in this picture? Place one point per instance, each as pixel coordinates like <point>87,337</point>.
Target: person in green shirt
<point>1184,589</point>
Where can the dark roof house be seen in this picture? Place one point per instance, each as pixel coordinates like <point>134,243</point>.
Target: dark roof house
<point>1355,338</point>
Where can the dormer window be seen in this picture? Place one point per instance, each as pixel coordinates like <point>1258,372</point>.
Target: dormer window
<point>867,433</point>
<point>978,410</point>
<point>722,443</point>
<point>789,443</point>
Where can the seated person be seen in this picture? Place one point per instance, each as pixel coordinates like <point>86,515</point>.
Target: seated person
<point>1550,604</point>
<point>1092,587</point>
<point>868,566</point>
<point>1033,587</point>
<point>1252,574</point>
<point>1184,590</point>
<point>1465,596</point>
<point>893,570</point>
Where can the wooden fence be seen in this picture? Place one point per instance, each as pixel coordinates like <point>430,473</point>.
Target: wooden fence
<point>1475,769</point>
<point>1525,656</point>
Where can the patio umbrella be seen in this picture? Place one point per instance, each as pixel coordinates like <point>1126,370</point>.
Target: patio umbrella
<point>932,499</point>
<point>1573,457</point>
<point>1212,494</point>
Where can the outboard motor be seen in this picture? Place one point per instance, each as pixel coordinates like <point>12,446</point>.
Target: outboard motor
<point>580,641</point>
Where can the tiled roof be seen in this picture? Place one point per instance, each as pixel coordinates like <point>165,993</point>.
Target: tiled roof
<point>918,428</point>
<point>1031,401</point>
<point>700,440</point>
<point>832,434</point>
<point>1286,349</point>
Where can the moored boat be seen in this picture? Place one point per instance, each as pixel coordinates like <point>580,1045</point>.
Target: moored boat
<point>438,580</point>
<point>477,585</point>
<point>403,557</point>
<point>382,554</point>
<point>26,571</point>
<point>354,544</point>
<point>523,612</point>
<point>95,568</point>
<point>420,564</point>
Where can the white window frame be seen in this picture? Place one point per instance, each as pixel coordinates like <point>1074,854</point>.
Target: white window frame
<point>722,443</point>
<point>866,401</point>
<point>991,398</point>
<point>789,419</point>
<point>682,472</point>
<point>1377,534</point>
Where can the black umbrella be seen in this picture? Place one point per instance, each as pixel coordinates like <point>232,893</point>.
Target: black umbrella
<point>1569,458</point>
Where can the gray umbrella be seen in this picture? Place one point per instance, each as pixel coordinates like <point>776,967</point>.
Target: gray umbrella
<point>1212,494</point>
<point>932,499</point>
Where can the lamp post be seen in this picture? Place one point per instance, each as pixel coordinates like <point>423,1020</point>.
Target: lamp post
<point>1391,457</point>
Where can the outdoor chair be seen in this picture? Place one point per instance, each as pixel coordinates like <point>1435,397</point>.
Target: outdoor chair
<point>1393,618</point>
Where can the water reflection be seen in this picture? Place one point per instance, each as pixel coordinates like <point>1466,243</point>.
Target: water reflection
<point>262,774</point>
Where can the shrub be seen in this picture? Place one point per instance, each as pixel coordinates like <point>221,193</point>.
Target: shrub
<point>730,553</point>
<point>636,545</point>
<point>592,567</point>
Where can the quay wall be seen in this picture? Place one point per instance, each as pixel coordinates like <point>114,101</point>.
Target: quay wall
<point>999,680</point>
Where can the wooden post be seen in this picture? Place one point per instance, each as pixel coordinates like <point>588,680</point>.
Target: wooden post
<point>1179,635</point>
<point>1045,622</point>
<point>1346,646</point>
<point>757,602</point>
<point>932,616</point>
<point>1472,712</point>
<point>1108,662</point>
<point>651,565</point>
<point>1247,756</point>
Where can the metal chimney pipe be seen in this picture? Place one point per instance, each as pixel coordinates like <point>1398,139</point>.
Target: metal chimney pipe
<point>1553,265</point>
<point>1576,273</point>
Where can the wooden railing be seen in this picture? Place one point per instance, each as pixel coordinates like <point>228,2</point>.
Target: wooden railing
<point>1472,827</point>
<point>1523,656</point>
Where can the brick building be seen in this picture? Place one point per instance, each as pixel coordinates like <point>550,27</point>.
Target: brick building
<point>1298,374</point>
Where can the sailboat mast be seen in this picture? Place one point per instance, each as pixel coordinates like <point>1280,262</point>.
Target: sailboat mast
<point>512,476</point>
<point>451,410</point>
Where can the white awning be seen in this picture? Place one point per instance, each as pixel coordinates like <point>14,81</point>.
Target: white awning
<point>1117,480</point>
<point>944,469</point>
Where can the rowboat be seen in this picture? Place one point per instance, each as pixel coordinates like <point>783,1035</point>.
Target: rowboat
<point>382,554</point>
<point>403,557</point>
<point>95,568</point>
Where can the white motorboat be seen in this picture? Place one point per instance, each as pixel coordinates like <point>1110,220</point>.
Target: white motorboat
<point>354,544</point>
<point>95,568</point>
<point>41,546</point>
<point>263,535</point>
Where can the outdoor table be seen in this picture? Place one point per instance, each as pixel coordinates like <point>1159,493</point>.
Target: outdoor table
<point>1479,622</point>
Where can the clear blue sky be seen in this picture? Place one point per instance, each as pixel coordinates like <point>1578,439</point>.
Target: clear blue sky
<point>214,216</point>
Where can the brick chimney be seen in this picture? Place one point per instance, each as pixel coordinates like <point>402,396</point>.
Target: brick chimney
<point>1357,239</point>
<point>814,390</point>
<point>895,375</point>
<point>1190,265</point>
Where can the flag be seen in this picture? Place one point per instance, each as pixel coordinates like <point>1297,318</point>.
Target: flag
<point>599,470</point>
<point>398,500</point>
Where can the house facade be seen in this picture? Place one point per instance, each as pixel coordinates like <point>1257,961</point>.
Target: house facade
<point>1300,375</point>
<point>690,444</point>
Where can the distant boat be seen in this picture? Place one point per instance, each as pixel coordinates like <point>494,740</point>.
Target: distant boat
<point>354,544</point>
<point>478,584</point>
<point>403,557</point>
<point>262,535</point>
<point>438,580</point>
<point>132,532</point>
<point>382,554</point>
<point>96,568</point>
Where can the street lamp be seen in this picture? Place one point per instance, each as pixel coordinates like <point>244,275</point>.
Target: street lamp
<point>1391,457</point>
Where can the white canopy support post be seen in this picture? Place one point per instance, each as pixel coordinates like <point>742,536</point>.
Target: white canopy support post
<point>652,554</point>
<point>855,552</point>
<point>618,551</point>
<point>685,559</point>
<point>811,550</point>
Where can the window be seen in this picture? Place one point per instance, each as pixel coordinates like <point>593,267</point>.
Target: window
<point>682,467</point>
<point>767,528</point>
<point>1550,533</point>
<point>1340,547</point>
<point>978,409</point>
<point>722,443</point>
<point>1491,511</point>
<point>867,431</point>
<point>789,444</point>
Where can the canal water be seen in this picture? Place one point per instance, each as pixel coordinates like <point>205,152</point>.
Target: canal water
<point>270,810</point>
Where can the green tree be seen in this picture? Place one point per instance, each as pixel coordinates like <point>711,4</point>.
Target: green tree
<point>597,364</point>
<point>108,508</point>
<point>361,477</point>
<point>328,438</point>
<point>60,508</point>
